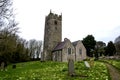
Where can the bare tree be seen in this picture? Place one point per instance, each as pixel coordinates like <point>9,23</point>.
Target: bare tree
<point>32,48</point>
<point>38,48</point>
<point>35,48</point>
<point>8,29</point>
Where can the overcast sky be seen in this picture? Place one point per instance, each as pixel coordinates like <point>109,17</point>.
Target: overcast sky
<point>101,18</point>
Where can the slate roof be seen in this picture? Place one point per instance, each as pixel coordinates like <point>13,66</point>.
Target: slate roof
<point>59,46</point>
<point>75,43</point>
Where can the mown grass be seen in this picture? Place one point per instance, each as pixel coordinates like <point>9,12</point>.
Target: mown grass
<point>54,71</point>
<point>115,63</point>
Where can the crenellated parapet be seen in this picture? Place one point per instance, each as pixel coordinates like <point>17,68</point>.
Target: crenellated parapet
<point>54,16</point>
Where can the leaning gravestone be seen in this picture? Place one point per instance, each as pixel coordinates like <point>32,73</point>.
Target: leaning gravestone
<point>86,64</point>
<point>71,70</point>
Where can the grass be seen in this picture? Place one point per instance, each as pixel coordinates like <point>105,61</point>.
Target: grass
<point>115,63</point>
<point>54,71</point>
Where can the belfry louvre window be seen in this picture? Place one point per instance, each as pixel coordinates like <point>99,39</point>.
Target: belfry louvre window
<point>55,22</point>
<point>69,50</point>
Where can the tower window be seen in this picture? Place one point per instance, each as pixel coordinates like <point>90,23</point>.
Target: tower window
<point>55,22</point>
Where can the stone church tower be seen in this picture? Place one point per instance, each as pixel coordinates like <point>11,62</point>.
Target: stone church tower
<point>52,34</point>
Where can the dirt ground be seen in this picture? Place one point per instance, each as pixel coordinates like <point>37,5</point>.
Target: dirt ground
<point>114,73</point>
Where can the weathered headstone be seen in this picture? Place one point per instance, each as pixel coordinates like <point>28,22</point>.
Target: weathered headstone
<point>91,62</point>
<point>71,70</point>
<point>2,66</point>
<point>86,64</point>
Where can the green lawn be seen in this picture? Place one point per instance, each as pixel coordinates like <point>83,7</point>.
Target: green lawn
<point>115,63</point>
<point>54,71</point>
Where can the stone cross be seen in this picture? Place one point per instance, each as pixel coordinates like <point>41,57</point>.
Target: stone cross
<point>71,70</point>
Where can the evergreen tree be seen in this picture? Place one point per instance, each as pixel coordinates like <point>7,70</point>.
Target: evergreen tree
<point>110,49</point>
<point>89,43</point>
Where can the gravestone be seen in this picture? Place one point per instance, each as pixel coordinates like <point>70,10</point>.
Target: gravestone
<point>91,62</point>
<point>86,64</point>
<point>2,66</point>
<point>13,66</point>
<point>71,70</point>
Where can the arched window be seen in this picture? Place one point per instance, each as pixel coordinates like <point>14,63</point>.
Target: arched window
<point>80,51</point>
<point>69,50</point>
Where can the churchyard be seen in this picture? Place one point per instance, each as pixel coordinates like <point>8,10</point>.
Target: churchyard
<point>115,63</point>
<point>37,70</point>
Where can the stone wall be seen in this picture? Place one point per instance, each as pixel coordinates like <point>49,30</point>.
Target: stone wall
<point>65,53</point>
<point>57,56</point>
<point>80,55</point>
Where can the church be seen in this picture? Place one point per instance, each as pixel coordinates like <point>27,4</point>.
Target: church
<point>54,49</point>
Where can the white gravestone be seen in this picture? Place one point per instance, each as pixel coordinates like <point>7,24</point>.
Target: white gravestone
<point>86,64</point>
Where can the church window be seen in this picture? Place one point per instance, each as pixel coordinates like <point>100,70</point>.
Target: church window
<point>69,50</point>
<point>80,51</point>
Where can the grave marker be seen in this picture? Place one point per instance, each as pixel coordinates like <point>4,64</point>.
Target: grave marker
<point>71,70</point>
<point>91,62</point>
<point>2,66</point>
<point>86,64</point>
<point>13,66</point>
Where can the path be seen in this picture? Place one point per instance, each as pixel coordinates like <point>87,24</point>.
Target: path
<point>114,73</point>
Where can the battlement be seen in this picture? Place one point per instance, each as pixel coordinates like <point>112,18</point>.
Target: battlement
<point>54,16</point>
